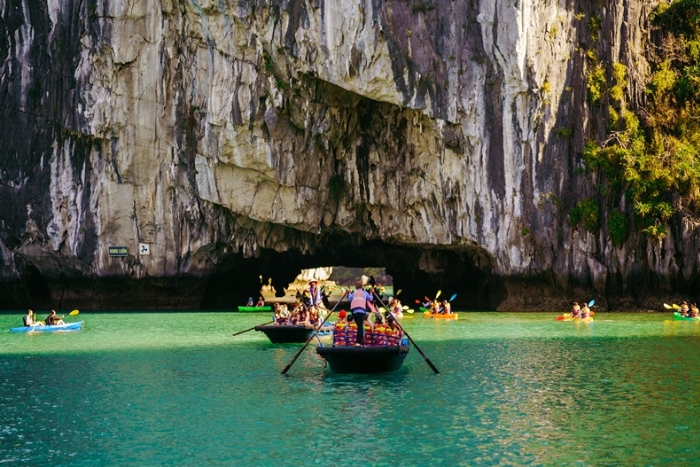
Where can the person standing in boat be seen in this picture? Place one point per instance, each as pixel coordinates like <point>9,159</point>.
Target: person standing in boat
<point>315,298</point>
<point>359,300</point>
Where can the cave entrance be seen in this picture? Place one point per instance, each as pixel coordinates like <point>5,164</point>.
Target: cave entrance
<point>332,279</point>
<point>418,272</point>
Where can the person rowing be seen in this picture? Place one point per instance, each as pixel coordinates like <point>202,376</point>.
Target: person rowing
<point>585,312</point>
<point>576,310</point>
<point>30,319</point>
<point>359,301</point>
<point>53,319</point>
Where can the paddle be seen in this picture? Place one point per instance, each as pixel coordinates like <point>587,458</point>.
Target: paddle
<point>437,295</point>
<point>425,357</point>
<point>452,297</point>
<point>72,313</point>
<point>241,332</point>
<point>560,318</point>
<point>397,292</point>
<point>289,365</point>
<point>667,306</point>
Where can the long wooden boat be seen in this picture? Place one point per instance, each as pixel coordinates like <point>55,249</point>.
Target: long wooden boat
<point>53,328</point>
<point>290,333</point>
<point>254,309</point>
<point>678,316</point>
<point>364,359</point>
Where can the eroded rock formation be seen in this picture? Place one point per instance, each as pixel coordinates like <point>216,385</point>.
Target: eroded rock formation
<point>440,139</point>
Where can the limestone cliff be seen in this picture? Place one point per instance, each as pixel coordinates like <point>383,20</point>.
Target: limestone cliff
<point>439,138</point>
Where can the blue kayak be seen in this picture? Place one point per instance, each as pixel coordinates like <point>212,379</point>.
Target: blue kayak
<point>54,328</point>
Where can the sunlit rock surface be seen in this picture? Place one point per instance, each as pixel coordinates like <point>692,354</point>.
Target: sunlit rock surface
<point>246,138</point>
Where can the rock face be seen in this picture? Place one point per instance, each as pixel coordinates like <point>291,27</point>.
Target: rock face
<point>440,139</point>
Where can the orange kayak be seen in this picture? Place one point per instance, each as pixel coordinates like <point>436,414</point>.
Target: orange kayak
<point>428,314</point>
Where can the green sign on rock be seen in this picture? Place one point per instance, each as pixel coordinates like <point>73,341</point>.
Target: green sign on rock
<point>118,251</point>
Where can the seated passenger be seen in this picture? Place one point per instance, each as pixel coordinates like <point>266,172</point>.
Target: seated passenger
<point>53,319</point>
<point>576,311</point>
<point>30,319</point>
<point>447,307</point>
<point>393,332</point>
<point>585,312</point>
<point>351,332</point>
<point>340,329</point>
<point>261,302</point>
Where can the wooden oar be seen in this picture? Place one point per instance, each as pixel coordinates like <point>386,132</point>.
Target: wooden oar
<point>286,369</point>
<point>425,357</point>
<point>264,324</point>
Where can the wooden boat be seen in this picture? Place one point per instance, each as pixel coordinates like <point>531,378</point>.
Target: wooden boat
<point>290,333</point>
<point>53,328</point>
<point>364,359</point>
<point>253,309</point>
<point>677,315</point>
<point>427,314</point>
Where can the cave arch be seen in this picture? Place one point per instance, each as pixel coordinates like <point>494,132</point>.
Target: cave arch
<point>417,271</point>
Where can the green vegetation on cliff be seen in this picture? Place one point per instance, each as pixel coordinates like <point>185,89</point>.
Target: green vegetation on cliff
<point>651,156</point>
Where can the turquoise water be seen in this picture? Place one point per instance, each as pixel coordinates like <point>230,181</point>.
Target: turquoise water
<point>514,389</point>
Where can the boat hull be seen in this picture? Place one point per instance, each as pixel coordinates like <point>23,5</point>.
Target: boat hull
<point>427,314</point>
<point>679,317</point>
<point>254,309</point>
<point>285,333</point>
<point>55,328</point>
<point>363,359</point>
<point>576,320</point>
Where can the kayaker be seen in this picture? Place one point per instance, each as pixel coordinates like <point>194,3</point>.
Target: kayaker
<point>359,299</point>
<point>576,310</point>
<point>340,329</point>
<point>694,312</point>
<point>685,309</point>
<point>30,319</point>
<point>53,319</point>
<point>393,333</point>
<point>585,312</point>
<point>447,307</point>
<point>261,302</point>
<point>250,301</point>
